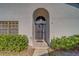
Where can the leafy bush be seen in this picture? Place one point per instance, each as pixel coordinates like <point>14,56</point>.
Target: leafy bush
<point>64,42</point>
<point>13,42</point>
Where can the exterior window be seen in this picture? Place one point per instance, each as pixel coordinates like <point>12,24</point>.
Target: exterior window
<point>8,27</point>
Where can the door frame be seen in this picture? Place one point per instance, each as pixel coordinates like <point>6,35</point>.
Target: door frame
<point>41,12</point>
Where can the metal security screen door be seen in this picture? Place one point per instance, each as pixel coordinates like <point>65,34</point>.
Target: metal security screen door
<point>41,26</point>
<point>40,30</point>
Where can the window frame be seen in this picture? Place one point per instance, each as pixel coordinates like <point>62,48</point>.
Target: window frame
<point>8,26</point>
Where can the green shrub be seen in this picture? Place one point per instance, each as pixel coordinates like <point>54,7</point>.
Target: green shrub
<point>64,42</point>
<point>13,42</point>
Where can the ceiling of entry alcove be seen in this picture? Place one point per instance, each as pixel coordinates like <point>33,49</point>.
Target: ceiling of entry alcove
<point>41,12</point>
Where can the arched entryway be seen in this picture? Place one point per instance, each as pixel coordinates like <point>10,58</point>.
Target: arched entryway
<point>40,28</point>
<point>41,25</point>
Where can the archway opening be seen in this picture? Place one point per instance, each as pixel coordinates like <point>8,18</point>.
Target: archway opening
<point>40,29</point>
<point>40,17</point>
<point>41,25</point>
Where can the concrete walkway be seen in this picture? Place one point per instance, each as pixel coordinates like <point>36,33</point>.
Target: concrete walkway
<point>41,49</point>
<point>40,52</point>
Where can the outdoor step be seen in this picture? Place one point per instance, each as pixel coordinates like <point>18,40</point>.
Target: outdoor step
<point>40,45</point>
<point>45,47</point>
<point>40,52</point>
<point>41,48</point>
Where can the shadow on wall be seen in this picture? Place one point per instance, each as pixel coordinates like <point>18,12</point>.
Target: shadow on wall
<point>76,5</point>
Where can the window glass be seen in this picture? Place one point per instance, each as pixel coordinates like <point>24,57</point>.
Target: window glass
<point>8,27</point>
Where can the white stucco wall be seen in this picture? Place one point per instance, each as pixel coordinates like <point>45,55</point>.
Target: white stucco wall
<point>64,19</point>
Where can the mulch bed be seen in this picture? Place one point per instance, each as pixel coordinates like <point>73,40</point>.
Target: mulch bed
<point>72,52</point>
<point>27,52</point>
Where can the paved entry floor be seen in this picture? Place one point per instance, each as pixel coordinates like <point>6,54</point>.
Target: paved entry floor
<point>41,49</point>
<point>40,52</point>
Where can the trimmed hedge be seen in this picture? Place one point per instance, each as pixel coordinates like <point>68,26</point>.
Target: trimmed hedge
<point>13,42</point>
<point>64,42</point>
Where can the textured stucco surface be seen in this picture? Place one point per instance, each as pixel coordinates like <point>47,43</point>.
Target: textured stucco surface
<point>64,19</point>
